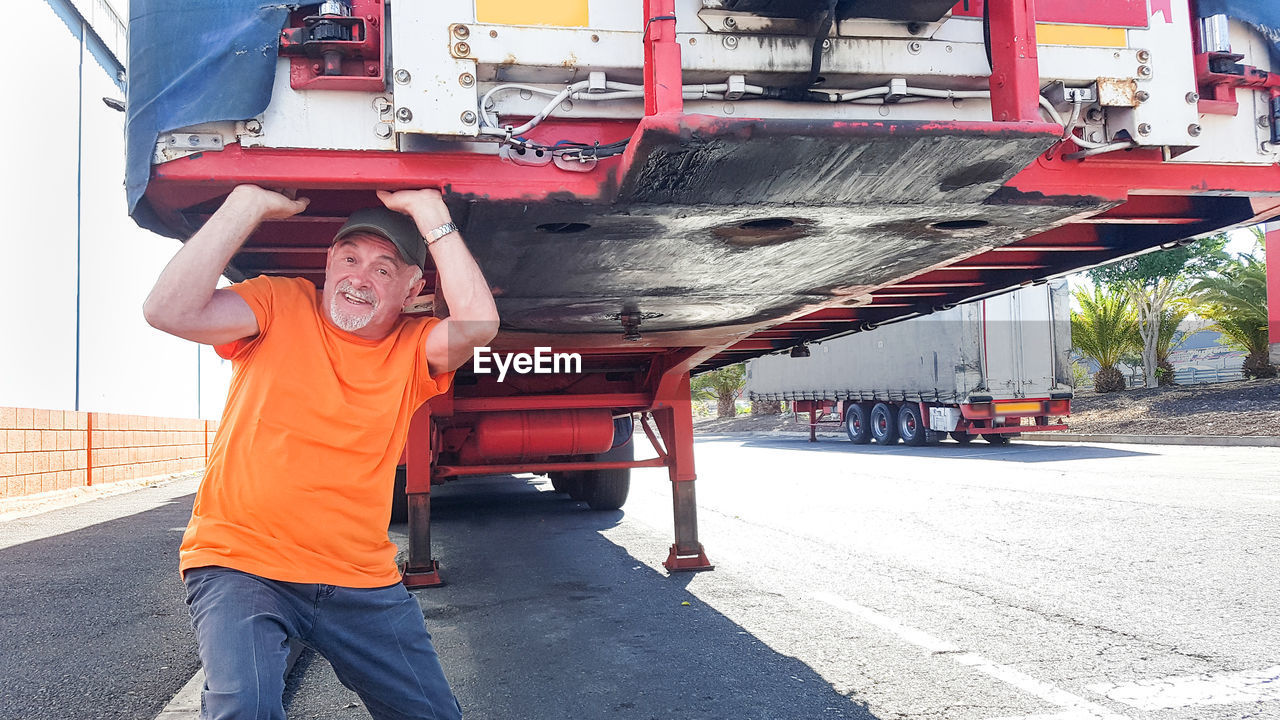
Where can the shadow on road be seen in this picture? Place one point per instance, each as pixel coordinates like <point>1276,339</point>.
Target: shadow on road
<point>92,622</point>
<point>546,618</point>
<point>977,450</point>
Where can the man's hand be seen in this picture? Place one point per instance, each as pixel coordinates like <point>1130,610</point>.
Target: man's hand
<point>266,204</point>
<point>425,206</point>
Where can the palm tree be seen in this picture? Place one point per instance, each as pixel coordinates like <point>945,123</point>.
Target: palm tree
<point>1170,339</point>
<point>1104,330</point>
<point>724,385</point>
<point>1236,302</point>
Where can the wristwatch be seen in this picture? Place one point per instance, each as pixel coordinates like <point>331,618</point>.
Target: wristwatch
<point>440,232</point>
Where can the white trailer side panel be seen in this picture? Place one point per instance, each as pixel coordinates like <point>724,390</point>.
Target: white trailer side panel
<point>1009,346</point>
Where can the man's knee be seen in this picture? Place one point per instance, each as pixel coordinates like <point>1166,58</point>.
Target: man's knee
<point>242,629</point>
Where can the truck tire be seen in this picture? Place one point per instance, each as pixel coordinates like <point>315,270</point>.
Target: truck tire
<point>559,482</point>
<point>608,489</point>
<point>910,427</point>
<point>857,423</point>
<point>961,437</point>
<point>996,438</point>
<point>884,424</point>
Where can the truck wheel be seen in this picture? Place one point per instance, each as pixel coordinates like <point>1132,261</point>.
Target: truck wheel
<point>961,437</point>
<point>559,482</point>
<point>857,424</point>
<point>884,424</point>
<point>399,501</point>
<point>576,484</point>
<point>910,427</point>
<point>996,438</point>
<point>608,489</point>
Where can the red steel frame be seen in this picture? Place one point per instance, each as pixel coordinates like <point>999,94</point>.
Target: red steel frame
<point>1273,289</point>
<point>979,418</point>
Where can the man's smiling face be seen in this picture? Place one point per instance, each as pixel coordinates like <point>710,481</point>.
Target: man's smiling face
<point>367,284</point>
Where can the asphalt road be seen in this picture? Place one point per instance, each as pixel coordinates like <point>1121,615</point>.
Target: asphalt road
<point>1070,582</point>
<point>92,620</point>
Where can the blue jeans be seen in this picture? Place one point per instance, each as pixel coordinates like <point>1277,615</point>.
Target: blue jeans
<point>375,639</point>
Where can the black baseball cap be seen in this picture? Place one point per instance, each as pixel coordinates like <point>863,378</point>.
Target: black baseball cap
<point>399,228</point>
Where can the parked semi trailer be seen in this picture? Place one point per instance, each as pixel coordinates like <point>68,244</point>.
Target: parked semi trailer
<point>993,369</point>
<point>670,186</point>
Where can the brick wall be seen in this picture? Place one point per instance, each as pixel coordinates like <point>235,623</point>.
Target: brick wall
<point>42,450</point>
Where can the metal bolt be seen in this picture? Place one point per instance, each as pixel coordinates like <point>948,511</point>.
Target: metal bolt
<point>315,67</point>
<point>253,126</point>
<point>1144,71</point>
<point>382,105</point>
<point>913,47</point>
<point>371,71</point>
<point>1142,96</point>
<point>1264,121</point>
<point>466,80</point>
<point>1095,136</point>
<point>826,44</point>
<point>595,38</point>
<point>1144,56</point>
<point>730,42</point>
<point>1193,130</point>
<point>403,77</point>
<point>1144,129</point>
<point>468,118</point>
<point>383,130</point>
<point>404,114</point>
<point>493,33</point>
<point>193,140</point>
<point>1193,98</point>
<point>1094,115</point>
<point>730,23</point>
<point>461,49</point>
<point>461,32</point>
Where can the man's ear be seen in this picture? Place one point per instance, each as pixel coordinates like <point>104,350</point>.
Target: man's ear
<point>415,290</point>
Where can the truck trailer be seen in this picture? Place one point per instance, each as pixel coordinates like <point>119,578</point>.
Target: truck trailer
<point>993,369</point>
<point>669,186</point>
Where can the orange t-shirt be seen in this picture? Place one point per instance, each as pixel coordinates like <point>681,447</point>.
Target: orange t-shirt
<point>299,480</point>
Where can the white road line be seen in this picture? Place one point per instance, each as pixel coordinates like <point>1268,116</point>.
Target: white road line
<point>1077,707</point>
<point>1249,686</point>
<point>186,704</point>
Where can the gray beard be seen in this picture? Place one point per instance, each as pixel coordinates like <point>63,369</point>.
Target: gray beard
<point>344,320</point>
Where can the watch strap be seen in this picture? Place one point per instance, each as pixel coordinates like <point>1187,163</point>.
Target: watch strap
<point>441,231</point>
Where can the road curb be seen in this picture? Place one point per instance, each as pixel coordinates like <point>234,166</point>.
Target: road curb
<point>1206,440</point>
<point>1202,440</point>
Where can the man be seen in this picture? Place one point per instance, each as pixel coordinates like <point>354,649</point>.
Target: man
<point>288,537</point>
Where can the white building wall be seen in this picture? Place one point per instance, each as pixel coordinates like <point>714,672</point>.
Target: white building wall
<point>59,130</point>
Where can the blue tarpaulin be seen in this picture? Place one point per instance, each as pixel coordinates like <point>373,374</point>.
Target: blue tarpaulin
<point>193,62</point>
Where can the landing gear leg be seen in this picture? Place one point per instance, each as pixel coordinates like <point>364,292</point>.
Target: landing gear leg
<point>674,417</point>
<point>420,570</point>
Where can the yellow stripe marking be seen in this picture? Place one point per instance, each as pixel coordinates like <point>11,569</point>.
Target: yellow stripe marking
<point>1081,35</point>
<point>1017,407</point>
<point>559,13</point>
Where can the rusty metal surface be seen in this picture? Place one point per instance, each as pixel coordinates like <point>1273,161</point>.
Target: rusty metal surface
<point>1117,92</point>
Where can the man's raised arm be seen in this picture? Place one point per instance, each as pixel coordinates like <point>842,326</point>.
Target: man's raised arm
<point>473,316</point>
<point>185,300</point>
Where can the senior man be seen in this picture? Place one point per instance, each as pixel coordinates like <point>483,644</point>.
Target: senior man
<point>288,536</point>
